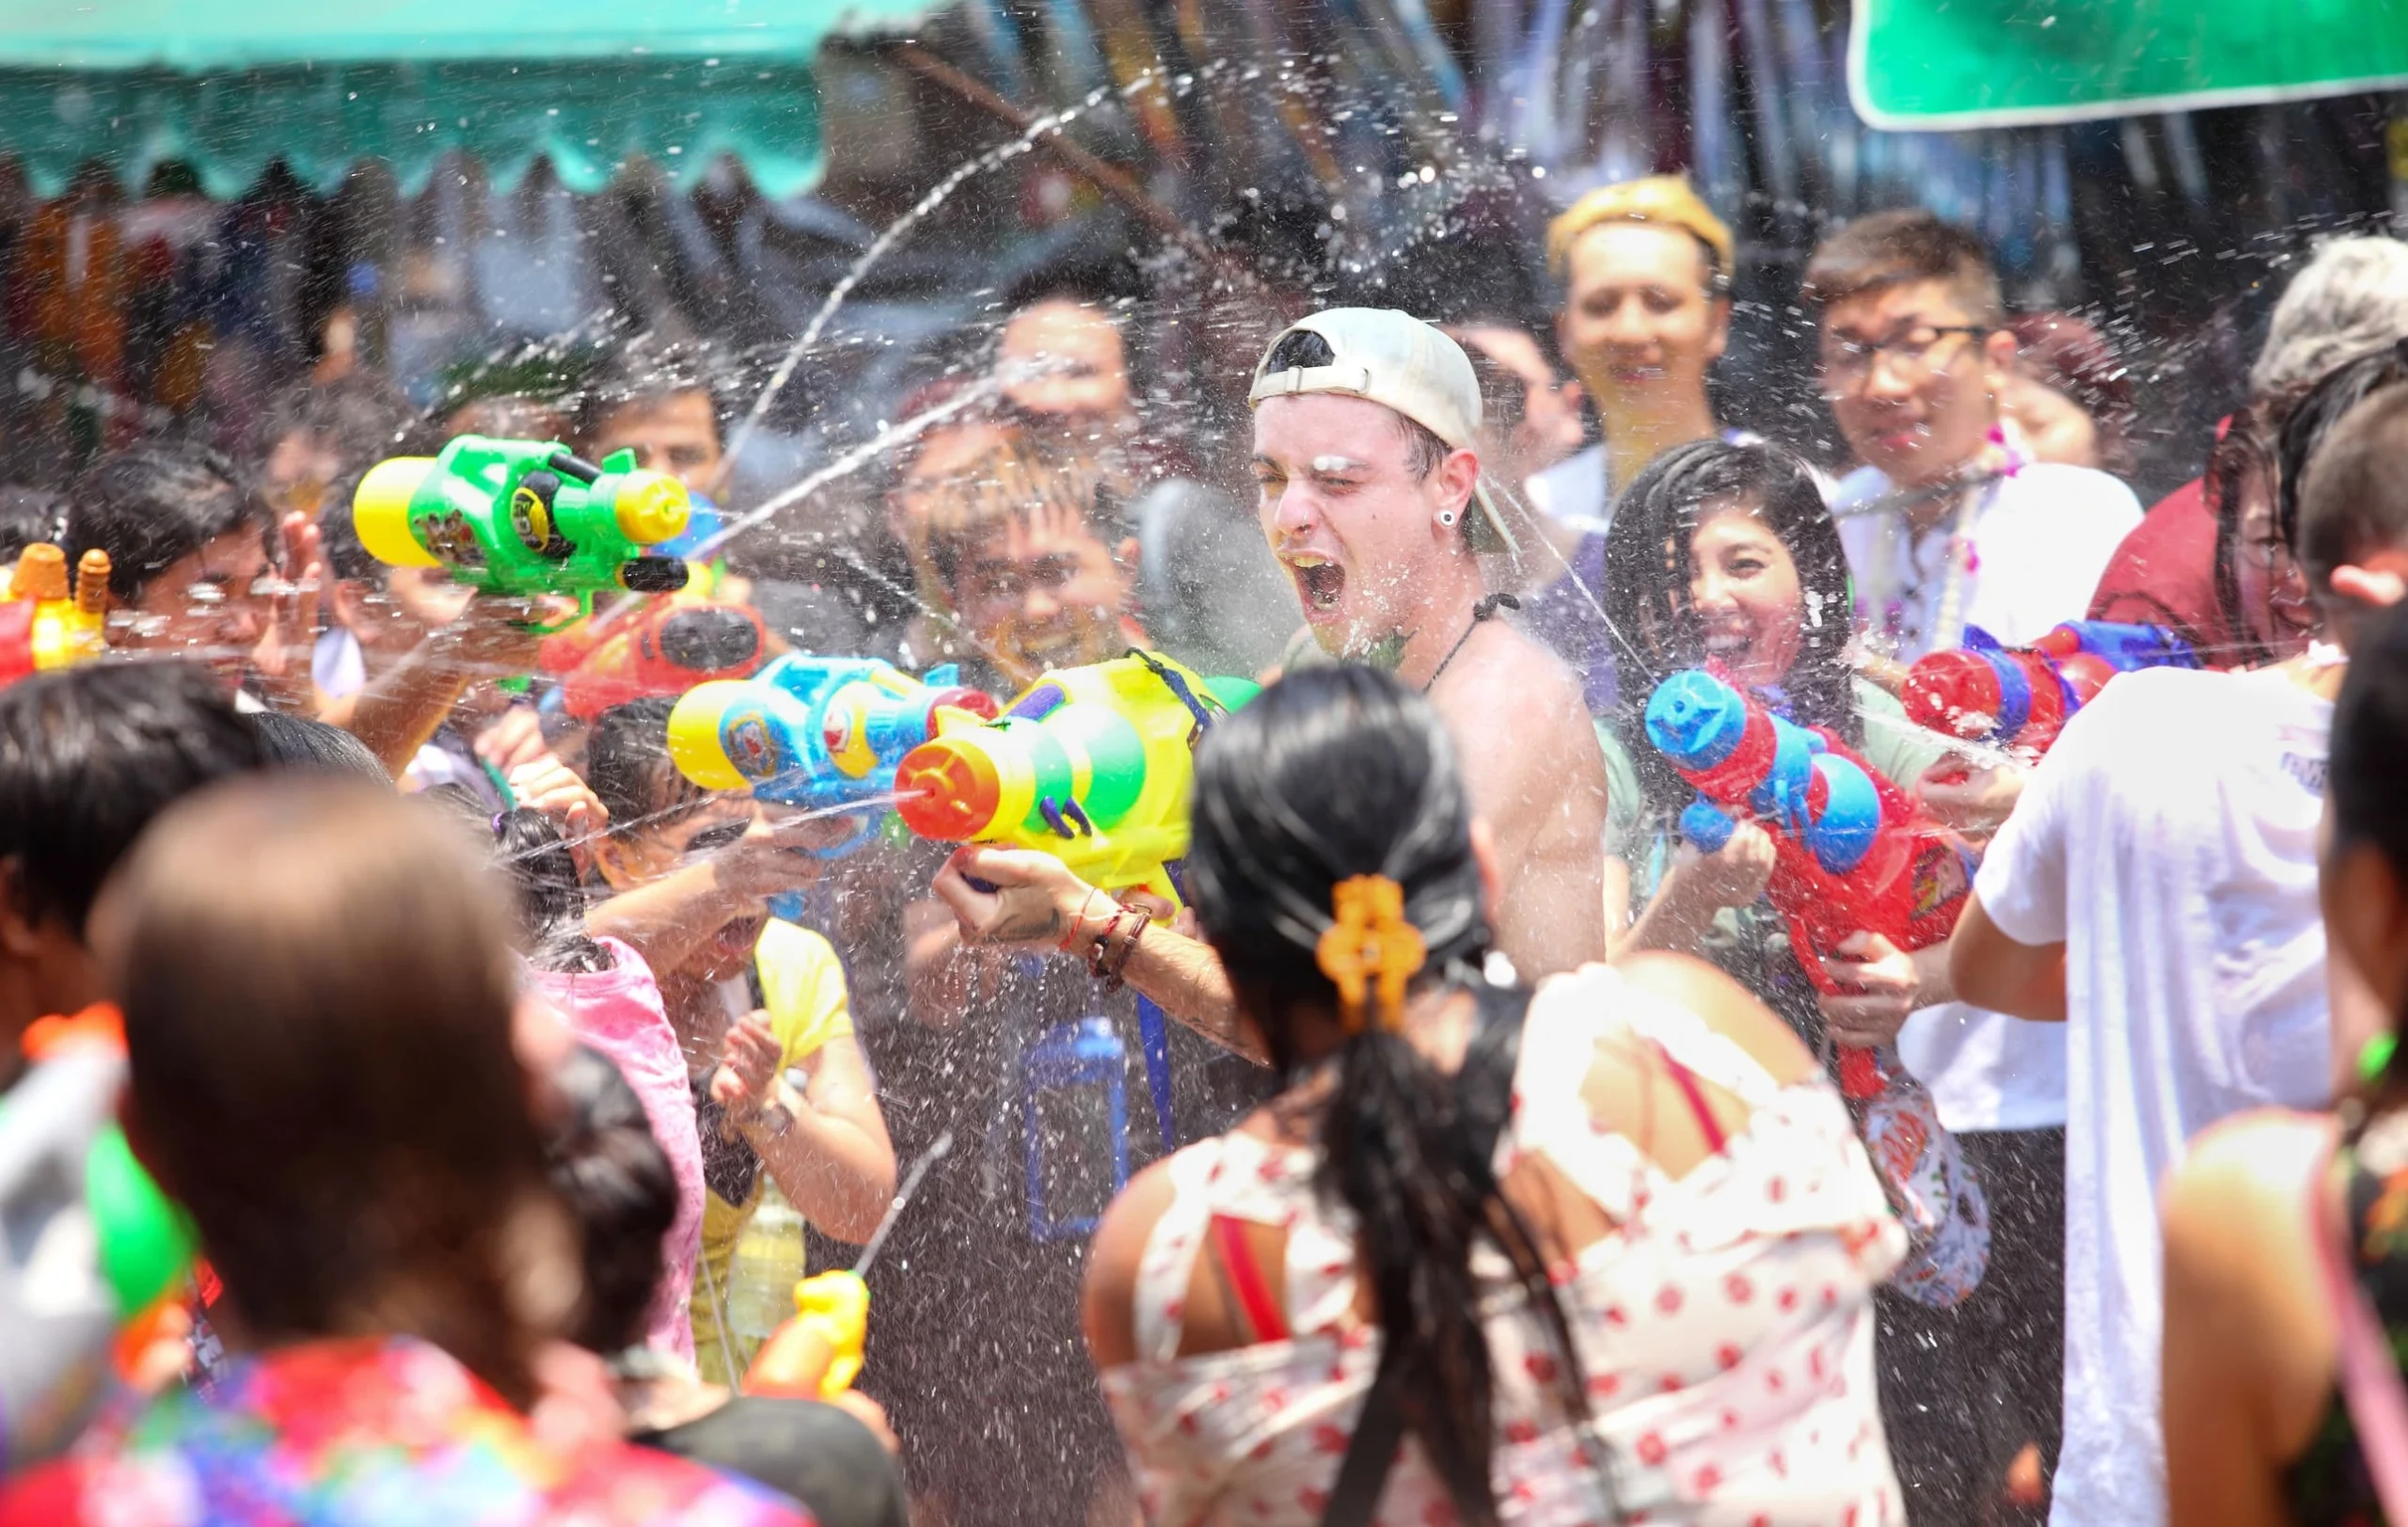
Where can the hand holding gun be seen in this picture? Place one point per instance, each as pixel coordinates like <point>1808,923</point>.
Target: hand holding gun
<point>525,518</point>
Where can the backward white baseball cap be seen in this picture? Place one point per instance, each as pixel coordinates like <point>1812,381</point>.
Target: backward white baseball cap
<point>1397,361</point>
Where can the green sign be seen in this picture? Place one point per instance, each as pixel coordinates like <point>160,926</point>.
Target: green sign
<point>1919,64</point>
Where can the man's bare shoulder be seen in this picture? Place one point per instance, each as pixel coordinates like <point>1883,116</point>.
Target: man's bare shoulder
<point>1504,676</point>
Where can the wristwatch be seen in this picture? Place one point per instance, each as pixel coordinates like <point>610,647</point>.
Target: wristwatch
<point>777,1115</point>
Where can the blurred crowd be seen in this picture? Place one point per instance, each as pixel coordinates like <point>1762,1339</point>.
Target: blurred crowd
<point>1475,1136</point>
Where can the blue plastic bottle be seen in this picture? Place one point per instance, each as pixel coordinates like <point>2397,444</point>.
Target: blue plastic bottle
<point>1076,1115</point>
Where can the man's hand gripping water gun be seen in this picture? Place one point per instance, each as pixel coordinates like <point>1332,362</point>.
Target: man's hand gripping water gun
<point>1093,766</point>
<point>525,518</point>
<point>2019,698</point>
<point>1851,854</point>
<point>824,734</point>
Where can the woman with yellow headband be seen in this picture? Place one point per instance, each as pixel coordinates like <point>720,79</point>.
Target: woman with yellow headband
<point>1602,1252</point>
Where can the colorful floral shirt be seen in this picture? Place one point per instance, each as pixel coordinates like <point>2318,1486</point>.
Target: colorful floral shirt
<point>354,1432</point>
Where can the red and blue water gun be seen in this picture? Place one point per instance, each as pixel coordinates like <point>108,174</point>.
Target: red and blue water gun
<point>2019,698</point>
<point>1852,854</point>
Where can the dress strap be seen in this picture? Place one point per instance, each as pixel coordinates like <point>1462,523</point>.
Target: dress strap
<point>1686,1080</point>
<point>1694,1046</point>
<point>1245,1279</point>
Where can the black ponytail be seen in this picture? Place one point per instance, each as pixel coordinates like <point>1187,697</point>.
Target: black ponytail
<point>1330,773</point>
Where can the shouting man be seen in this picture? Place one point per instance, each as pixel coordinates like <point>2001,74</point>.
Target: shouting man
<point>1373,501</point>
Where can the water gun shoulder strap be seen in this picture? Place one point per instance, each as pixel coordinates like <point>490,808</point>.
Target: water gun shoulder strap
<point>1484,1097</point>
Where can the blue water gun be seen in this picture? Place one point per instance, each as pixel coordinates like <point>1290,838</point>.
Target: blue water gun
<point>823,734</point>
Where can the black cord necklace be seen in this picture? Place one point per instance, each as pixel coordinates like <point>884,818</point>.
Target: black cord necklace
<point>1486,609</point>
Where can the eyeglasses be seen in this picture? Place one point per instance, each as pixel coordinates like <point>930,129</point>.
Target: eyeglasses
<point>1848,363</point>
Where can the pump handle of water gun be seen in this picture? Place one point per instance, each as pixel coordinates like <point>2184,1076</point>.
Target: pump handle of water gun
<point>817,1354</point>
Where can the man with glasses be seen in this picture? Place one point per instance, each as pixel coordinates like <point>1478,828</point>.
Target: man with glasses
<point>1947,525</point>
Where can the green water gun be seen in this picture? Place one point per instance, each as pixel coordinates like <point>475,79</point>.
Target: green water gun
<point>525,518</point>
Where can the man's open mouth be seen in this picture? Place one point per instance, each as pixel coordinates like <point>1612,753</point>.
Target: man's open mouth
<point>1319,582</point>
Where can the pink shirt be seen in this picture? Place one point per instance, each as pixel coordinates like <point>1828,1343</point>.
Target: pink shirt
<point>618,1011</point>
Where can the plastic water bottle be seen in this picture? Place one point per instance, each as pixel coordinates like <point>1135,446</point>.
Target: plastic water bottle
<point>1075,1114</point>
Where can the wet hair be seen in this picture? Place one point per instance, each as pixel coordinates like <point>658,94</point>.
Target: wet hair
<point>629,769</point>
<point>362,418</point>
<point>1302,349</point>
<point>314,747</point>
<point>329,965</point>
<point>2349,299</point>
<point>346,556</point>
<point>530,850</point>
<point>510,416</point>
<point>1333,773</point>
<point>1893,249</point>
<point>2305,429</point>
<point>2243,453</point>
<point>1648,572</point>
<point>2356,497</point>
<point>2071,357</point>
<point>609,1169</point>
<point>150,506</point>
<point>88,756</point>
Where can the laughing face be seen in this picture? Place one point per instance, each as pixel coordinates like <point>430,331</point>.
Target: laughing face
<point>1348,517</point>
<point>1641,319</point>
<point>1912,378</point>
<point>1744,587</point>
<point>1041,590</point>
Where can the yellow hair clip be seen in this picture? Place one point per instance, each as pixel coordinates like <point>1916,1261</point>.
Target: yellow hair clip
<point>1370,941</point>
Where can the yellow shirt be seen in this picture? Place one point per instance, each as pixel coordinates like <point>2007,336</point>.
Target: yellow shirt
<point>802,988</point>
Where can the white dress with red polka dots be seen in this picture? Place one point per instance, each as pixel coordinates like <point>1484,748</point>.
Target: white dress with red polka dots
<point>1725,1328</point>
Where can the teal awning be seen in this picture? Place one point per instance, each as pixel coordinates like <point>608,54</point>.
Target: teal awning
<point>1997,63</point>
<point>230,86</point>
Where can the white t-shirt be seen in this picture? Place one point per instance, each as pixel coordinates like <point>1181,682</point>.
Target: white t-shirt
<point>2169,841</point>
<point>2040,540</point>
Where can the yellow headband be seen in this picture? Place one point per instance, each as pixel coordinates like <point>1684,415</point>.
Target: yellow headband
<point>1655,199</point>
<point>1369,943</point>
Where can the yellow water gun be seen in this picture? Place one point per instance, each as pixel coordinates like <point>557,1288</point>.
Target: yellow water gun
<point>1092,764</point>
